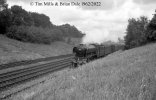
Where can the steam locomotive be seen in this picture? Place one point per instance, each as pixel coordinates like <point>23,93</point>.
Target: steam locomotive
<point>87,52</point>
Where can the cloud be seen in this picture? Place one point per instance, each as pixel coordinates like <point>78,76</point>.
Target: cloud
<point>104,4</point>
<point>24,1</point>
<point>146,2</point>
<point>25,5</point>
<point>100,24</point>
<point>74,15</point>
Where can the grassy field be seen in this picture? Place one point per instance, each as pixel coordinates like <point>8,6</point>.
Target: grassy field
<point>12,50</point>
<point>123,75</point>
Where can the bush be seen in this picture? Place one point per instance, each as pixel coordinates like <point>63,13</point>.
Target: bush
<point>34,34</point>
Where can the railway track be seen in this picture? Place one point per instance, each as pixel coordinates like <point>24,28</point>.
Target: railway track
<point>19,76</point>
<point>27,62</point>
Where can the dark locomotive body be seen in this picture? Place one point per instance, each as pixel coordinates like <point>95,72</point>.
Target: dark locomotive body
<point>86,52</point>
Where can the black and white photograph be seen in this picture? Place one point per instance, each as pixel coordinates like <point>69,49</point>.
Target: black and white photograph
<point>77,49</point>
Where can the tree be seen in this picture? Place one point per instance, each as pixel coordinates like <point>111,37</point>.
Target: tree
<point>69,30</point>
<point>3,5</point>
<point>22,25</point>
<point>41,20</point>
<point>20,16</point>
<point>151,29</point>
<point>136,32</point>
<point>5,16</point>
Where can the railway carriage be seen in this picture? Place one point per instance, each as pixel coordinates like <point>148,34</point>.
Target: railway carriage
<point>86,52</point>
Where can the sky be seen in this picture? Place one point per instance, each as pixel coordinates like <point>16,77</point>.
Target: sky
<point>108,21</point>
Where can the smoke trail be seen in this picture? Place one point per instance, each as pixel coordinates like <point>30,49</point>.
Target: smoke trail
<point>95,37</point>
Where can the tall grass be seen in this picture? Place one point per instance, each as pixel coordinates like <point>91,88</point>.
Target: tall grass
<point>128,75</point>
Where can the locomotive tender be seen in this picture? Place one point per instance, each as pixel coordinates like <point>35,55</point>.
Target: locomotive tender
<point>86,52</point>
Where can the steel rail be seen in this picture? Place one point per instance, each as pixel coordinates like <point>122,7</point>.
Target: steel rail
<point>27,62</point>
<point>15,76</point>
<point>12,73</point>
<point>30,76</point>
<point>47,72</point>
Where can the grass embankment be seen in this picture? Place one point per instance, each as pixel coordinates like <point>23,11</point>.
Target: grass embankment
<point>127,75</point>
<point>13,50</point>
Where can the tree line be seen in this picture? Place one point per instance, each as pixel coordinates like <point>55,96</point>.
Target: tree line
<point>19,24</point>
<point>140,31</point>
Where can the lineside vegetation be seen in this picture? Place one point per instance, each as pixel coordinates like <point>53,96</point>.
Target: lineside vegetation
<point>140,31</point>
<point>19,24</point>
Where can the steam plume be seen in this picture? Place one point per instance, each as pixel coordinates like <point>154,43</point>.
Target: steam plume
<point>95,37</point>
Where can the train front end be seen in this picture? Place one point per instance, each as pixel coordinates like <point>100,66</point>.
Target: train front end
<point>83,53</point>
